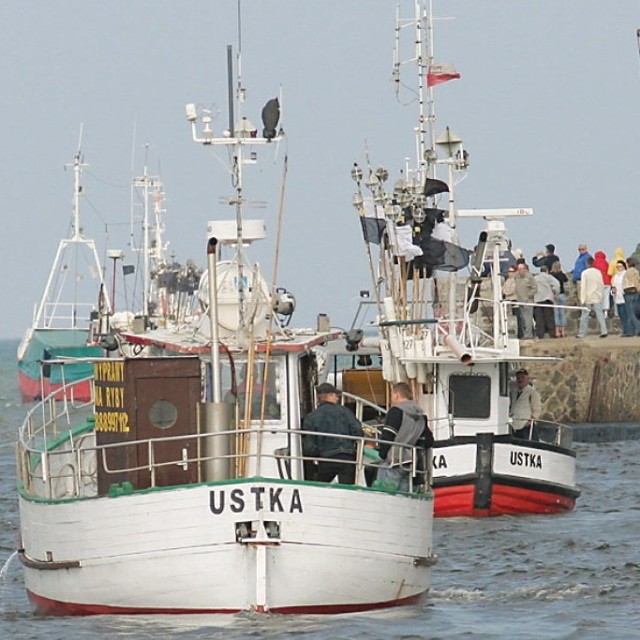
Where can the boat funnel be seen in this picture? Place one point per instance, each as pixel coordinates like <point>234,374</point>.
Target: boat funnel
<point>458,350</point>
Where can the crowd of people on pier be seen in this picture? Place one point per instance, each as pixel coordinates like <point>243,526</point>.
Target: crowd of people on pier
<point>603,289</point>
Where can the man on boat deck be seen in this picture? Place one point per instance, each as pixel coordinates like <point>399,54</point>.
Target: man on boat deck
<point>525,407</point>
<point>329,421</point>
<point>405,423</point>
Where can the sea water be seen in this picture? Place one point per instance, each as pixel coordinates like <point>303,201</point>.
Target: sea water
<point>569,576</point>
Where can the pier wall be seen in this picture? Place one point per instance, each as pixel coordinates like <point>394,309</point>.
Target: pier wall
<point>597,379</point>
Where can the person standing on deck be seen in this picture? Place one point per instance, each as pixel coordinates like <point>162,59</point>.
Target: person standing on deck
<point>405,423</point>
<point>525,407</point>
<point>329,421</point>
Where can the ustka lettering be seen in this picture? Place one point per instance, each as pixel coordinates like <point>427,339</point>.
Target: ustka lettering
<point>439,462</point>
<point>259,498</point>
<point>525,459</point>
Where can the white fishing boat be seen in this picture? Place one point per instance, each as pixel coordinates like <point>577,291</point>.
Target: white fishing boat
<point>444,326</point>
<point>182,486</point>
<point>65,315</point>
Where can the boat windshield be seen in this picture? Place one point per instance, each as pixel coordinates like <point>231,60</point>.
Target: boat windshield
<point>254,387</point>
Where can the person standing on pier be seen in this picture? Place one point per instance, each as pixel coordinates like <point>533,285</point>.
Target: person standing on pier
<point>617,287</point>
<point>546,258</point>
<point>601,264</point>
<point>546,296</point>
<point>591,296</point>
<point>559,311</point>
<point>525,291</point>
<point>631,284</point>
<point>581,263</point>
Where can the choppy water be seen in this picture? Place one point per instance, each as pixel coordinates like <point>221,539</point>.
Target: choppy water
<point>571,576</point>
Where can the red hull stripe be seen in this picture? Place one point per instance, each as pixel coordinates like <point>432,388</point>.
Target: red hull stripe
<point>45,606</point>
<point>457,501</point>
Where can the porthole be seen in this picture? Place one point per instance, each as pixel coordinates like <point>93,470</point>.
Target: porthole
<point>163,414</point>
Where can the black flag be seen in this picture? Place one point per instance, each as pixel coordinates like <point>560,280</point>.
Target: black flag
<point>372,229</point>
<point>432,187</point>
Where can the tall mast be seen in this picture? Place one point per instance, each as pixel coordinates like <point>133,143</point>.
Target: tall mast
<point>239,141</point>
<point>153,245</point>
<point>77,165</point>
<point>64,303</point>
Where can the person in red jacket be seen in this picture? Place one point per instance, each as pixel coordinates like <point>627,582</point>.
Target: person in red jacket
<point>601,263</point>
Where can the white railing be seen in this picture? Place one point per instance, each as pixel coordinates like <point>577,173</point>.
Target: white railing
<point>57,458</point>
<point>66,315</point>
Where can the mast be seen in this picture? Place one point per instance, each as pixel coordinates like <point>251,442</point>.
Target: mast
<point>77,165</point>
<point>63,305</point>
<point>153,245</point>
<point>239,142</point>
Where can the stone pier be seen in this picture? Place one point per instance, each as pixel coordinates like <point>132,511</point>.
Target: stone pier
<point>596,380</point>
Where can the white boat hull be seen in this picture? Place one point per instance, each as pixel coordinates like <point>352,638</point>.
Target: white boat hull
<point>182,550</point>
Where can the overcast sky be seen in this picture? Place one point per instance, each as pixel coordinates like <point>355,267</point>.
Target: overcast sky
<point>547,107</point>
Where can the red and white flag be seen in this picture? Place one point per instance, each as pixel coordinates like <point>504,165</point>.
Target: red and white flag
<point>439,73</point>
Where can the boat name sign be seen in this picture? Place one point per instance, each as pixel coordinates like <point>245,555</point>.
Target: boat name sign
<point>257,498</point>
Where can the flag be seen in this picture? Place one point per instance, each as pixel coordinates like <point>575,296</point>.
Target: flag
<point>441,255</point>
<point>433,187</point>
<point>372,229</point>
<point>127,269</point>
<point>455,257</point>
<point>439,73</point>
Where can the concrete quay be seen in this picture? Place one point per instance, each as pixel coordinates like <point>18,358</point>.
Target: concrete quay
<point>597,380</point>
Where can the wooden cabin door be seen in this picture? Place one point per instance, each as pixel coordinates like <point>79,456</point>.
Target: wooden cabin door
<point>167,395</point>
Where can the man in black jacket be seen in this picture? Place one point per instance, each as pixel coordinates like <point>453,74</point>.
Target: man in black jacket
<point>546,258</point>
<point>329,421</point>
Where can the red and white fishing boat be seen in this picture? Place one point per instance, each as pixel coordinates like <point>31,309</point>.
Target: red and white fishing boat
<point>181,487</point>
<point>444,326</point>
<point>64,317</point>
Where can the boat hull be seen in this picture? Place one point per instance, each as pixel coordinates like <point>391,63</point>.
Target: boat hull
<point>265,546</point>
<point>33,390</point>
<point>37,380</point>
<point>500,475</point>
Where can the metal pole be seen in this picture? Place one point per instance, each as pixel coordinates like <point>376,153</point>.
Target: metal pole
<point>213,319</point>
<point>230,81</point>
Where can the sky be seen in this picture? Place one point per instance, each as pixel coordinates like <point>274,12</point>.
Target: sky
<point>547,106</point>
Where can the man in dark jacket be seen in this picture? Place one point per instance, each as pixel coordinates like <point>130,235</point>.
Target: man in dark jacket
<point>547,258</point>
<point>329,421</point>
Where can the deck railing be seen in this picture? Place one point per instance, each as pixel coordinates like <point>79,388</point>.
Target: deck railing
<point>57,461</point>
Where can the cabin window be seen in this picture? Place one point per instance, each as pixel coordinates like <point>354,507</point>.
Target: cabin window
<point>469,396</point>
<point>163,414</point>
<point>254,387</point>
